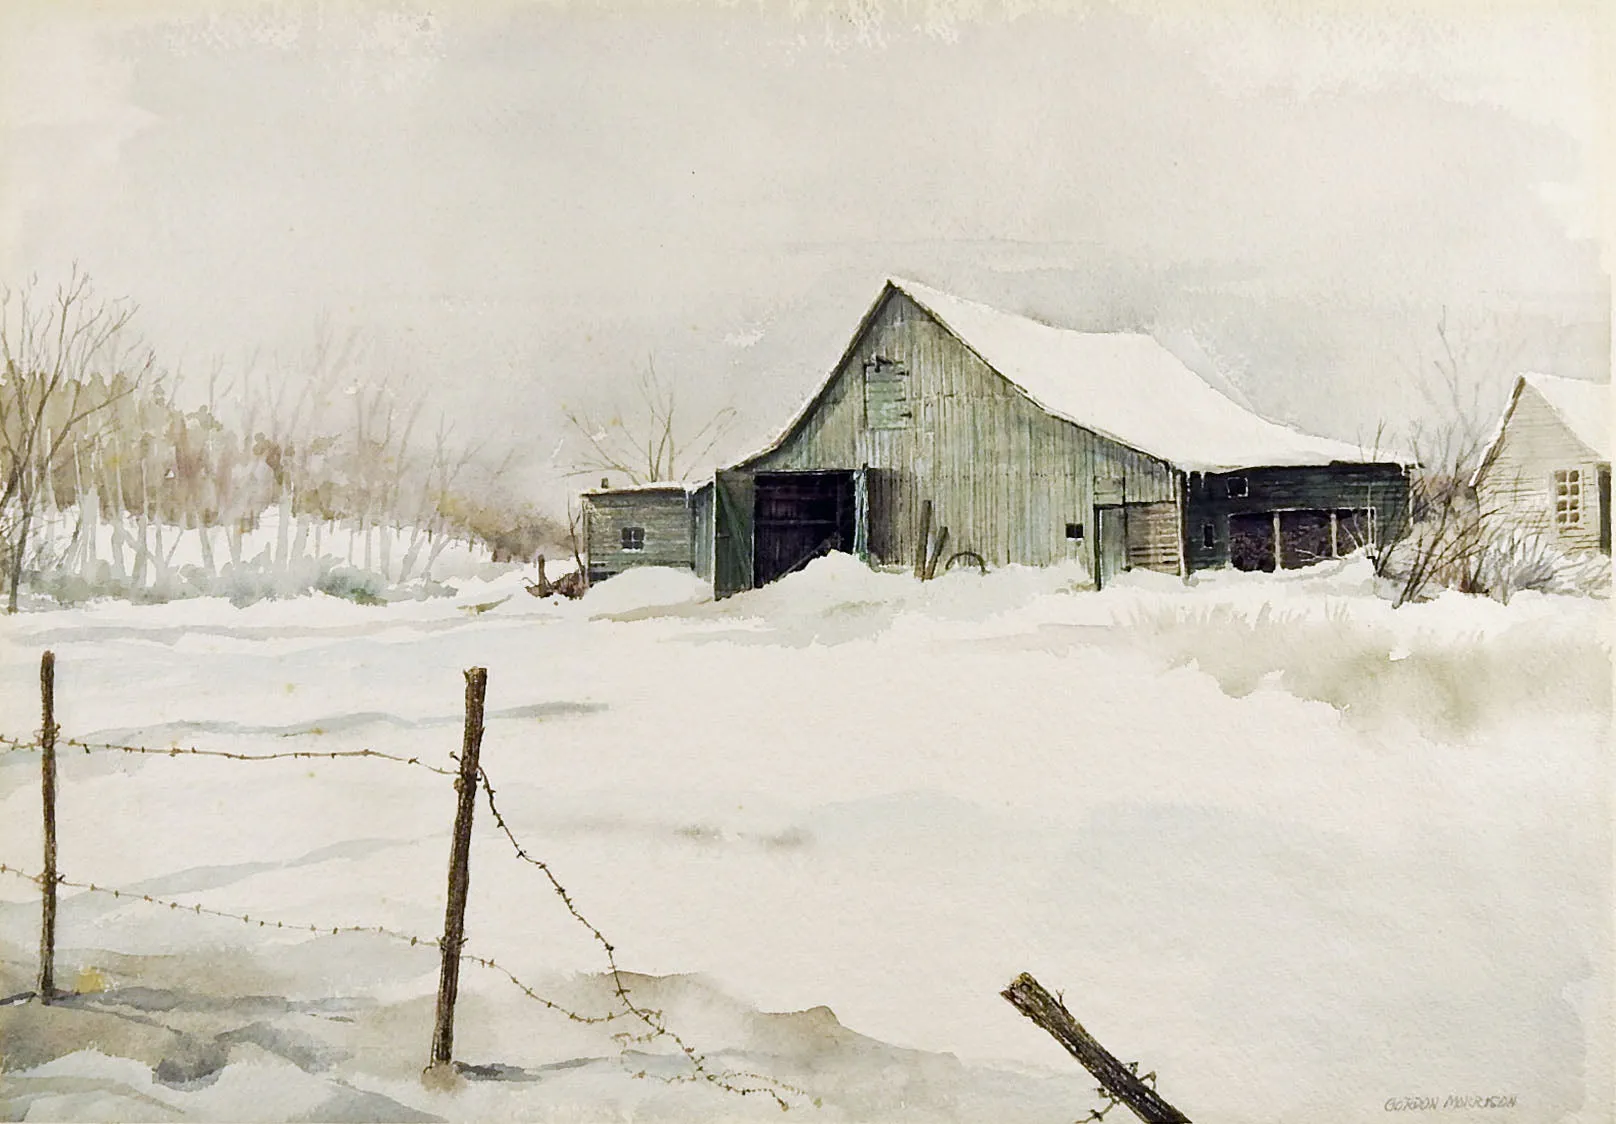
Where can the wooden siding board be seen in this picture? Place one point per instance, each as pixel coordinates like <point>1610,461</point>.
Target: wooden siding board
<point>1153,536</point>
<point>1516,489</point>
<point>1004,476</point>
<point>1343,487</point>
<point>665,517</point>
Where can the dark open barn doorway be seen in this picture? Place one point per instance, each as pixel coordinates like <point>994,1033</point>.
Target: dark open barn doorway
<point>799,517</point>
<point>1251,541</point>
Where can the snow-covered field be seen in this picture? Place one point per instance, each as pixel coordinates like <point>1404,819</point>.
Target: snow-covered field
<point>1299,853</point>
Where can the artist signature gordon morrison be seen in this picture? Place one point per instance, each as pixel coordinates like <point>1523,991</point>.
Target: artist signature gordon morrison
<point>1450,1103</point>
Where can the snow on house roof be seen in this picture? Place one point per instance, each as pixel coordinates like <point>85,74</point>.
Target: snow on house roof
<point>1583,406</point>
<point>1128,387</point>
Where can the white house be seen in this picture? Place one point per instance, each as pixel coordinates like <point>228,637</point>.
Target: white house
<point>1548,469</point>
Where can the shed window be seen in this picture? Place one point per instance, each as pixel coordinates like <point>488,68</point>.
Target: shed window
<point>886,395</point>
<point>1567,497</point>
<point>1074,530</point>
<point>1237,488</point>
<point>1209,535</point>
<point>633,538</point>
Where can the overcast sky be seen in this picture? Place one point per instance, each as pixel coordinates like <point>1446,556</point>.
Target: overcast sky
<point>515,204</point>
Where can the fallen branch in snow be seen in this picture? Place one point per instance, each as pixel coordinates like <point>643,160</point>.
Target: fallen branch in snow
<point>570,585</point>
<point>1120,1084</point>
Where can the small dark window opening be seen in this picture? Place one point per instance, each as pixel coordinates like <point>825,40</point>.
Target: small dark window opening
<point>1209,535</point>
<point>1237,488</point>
<point>633,538</point>
<point>1074,530</point>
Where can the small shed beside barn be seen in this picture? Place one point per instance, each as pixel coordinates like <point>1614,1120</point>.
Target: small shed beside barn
<point>1547,472</point>
<point>659,524</point>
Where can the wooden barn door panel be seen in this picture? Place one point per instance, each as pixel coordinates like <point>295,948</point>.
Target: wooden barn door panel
<point>1604,508</point>
<point>1153,536</point>
<point>1111,544</point>
<point>733,500</point>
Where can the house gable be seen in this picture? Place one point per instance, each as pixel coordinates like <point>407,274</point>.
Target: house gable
<point>1540,477</point>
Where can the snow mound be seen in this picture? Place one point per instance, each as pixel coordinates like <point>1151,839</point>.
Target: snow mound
<point>646,588</point>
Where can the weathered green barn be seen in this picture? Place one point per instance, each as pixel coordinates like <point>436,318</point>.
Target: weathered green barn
<point>648,525</point>
<point>949,422</point>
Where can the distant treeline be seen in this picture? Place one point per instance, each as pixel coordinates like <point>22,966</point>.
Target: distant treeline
<point>102,460</point>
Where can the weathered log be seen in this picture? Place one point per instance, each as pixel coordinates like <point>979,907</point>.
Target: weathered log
<point>937,553</point>
<point>923,544</point>
<point>1029,997</point>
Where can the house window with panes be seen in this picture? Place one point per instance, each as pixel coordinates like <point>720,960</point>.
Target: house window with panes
<point>1568,497</point>
<point>633,538</point>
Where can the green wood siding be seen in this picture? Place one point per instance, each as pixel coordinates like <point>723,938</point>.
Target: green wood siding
<point>734,497</point>
<point>1002,475</point>
<point>665,517</point>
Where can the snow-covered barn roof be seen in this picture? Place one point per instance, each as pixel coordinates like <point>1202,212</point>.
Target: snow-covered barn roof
<point>1125,386</point>
<point>1583,406</point>
<point>1122,385</point>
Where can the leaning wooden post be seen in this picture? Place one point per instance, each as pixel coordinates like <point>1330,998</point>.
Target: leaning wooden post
<point>1029,997</point>
<point>454,920</point>
<point>46,987</point>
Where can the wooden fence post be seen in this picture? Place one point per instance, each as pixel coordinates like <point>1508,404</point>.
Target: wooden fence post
<point>454,920</point>
<point>1120,1082</point>
<point>46,985</point>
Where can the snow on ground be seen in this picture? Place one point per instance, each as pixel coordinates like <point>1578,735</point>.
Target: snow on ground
<point>1298,852</point>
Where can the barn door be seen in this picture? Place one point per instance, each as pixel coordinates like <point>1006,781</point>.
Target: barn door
<point>734,496</point>
<point>861,513</point>
<point>1604,508</point>
<point>1111,545</point>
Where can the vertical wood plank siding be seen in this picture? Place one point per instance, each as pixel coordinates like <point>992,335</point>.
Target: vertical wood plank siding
<point>1517,490</point>
<point>667,518</point>
<point>1153,536</point>
<point>1002,475</point>
<point>702,530</point>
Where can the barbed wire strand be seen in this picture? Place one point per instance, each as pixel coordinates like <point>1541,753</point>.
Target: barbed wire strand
<point>656,1026</point>
<point>187,751</point>
<point>196,909</point>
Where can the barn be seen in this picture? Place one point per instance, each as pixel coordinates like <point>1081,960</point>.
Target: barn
<point>951,431</point>
<point>1547,472</point>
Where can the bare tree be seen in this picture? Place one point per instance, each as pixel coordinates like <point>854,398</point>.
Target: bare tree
<point>648,441</point>
<point>1462,382</point>
<point>51,350</point>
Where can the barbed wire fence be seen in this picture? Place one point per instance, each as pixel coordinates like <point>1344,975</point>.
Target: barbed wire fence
<point>643,1024</point>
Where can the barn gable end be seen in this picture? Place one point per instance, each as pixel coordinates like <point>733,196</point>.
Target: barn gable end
<point>934,423</point>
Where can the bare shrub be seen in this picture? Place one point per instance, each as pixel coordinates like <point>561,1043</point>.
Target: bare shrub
<point>647,439</point>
